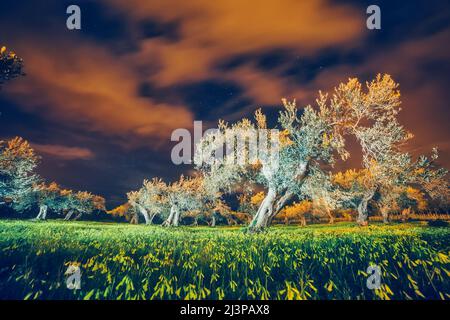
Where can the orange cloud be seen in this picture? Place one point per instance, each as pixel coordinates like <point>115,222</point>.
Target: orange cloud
<point>211,31</point>
<point>83,84</point>
<point>86,86</point>
<point>64,152</point>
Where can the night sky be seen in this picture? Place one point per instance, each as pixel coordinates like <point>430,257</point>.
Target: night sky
<point>99,104</point>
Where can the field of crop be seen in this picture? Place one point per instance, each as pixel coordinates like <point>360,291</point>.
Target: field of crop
<point>119,261</point>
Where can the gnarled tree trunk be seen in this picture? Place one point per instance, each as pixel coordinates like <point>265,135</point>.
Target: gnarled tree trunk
<point>42,212</point>
<point>271,206</point>
<point>280,204</point>
<point>330,215</point>
<point>263,216</point>
<point>173,219</point>
<point>134,218</point>
<point>363,214</point>
<point>385,214</point>
<point>78,216</point>
<point>144,212</point>
<point>68,215</point>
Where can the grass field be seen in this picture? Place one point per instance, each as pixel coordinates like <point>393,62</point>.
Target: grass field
<point>120,261</point>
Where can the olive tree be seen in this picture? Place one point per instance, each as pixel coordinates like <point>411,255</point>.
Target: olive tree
<point>18,162</point>
<point>84,202</point>
<point>50,196</point>
<point>150,200</point>
<point>183,196</point>
<point>302,141</point>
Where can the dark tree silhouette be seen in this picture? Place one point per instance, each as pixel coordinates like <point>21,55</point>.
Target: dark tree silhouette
<point>11,66</point>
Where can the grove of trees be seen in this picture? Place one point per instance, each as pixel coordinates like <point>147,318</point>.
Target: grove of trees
<point>303,181</point>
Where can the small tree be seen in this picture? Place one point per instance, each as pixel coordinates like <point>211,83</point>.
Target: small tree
<point>183,196</point>
<point>18,162</point>
<point>126,211</point>
<point>51,197</point>
<point>85,202</point>
<point>296,211</point>
<point>11,66</point>
<point>325,196</point>
<point>150,200</point>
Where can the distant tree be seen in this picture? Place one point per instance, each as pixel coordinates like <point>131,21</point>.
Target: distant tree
<point>58,200</point>
<point>126,211</point>
<point>84,202</point>
<point>150,200</point>
<point>184,195</point>
<point>392,178</point>
<point>11,66</point>
<point>211,212</point>
<point>296,211</point>
<point>417,197</point>
<point>18,162</point>
<point>326,197</point>
<point>245,203</point>
<point>189,194</point>
<point>358,185</point>
<point>50,196</point>
<point>219,209</point>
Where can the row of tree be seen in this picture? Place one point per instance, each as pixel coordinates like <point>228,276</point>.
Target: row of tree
<point>21,188</point>
<point>311,141</point>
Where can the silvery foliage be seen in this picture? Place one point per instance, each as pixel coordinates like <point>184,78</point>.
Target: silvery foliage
<point>54,198</point>
<point>220,165</point>
<point>390,168</point>
<point>17,176</point>
<point>186,194</point>
<point>318,186</point>
<point>151,197</point>
<point>183,196</point>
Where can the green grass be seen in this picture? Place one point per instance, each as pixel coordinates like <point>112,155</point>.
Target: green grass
<point>121,261</point>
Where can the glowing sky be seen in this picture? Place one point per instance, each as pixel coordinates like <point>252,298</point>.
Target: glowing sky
<point>99,104</point>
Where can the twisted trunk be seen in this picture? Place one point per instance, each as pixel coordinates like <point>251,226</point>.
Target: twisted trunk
<point>270,206</point>
<point>68,215</point>
<point>280,204</point>
<point>78,216</point>
<point>385,214</point>
<point>134,219</point>
<point>144,212</point>
<point>173,219</point>
<point>262,218</point>
<point>363,213</point>
<point>42,212</point>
